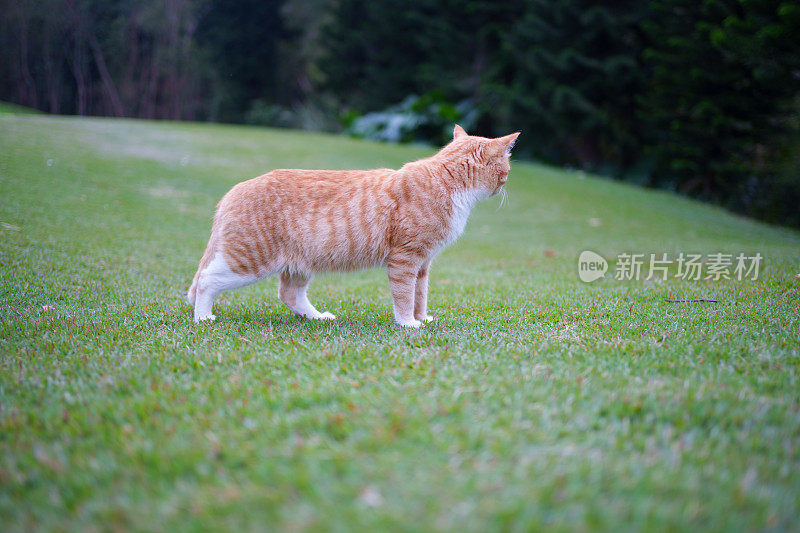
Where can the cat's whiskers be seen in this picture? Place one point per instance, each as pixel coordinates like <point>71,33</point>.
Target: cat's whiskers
<point>503,197</point>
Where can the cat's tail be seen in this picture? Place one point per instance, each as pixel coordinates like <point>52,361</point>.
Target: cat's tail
<point>191,296</point>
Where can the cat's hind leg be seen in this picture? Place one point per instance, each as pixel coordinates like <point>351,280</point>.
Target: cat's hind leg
<point>212,280</point>
<point>293,291</point>
<point>202,306</point>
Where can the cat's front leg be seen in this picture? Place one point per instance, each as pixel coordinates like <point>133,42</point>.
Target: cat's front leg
<point>421,294</point>
<point>402,284</point>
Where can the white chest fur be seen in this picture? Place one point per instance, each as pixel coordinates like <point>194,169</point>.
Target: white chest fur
<point>463,202</point>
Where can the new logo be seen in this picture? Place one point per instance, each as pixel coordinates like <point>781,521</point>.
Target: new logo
<point>591,266</point>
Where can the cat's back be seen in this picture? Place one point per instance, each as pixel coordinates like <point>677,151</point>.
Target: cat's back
<point>329,177</point>
<point>315,183</point>
<point>311,190</point>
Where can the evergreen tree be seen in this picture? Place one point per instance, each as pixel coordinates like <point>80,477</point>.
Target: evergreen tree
<point>574,72</point>
<point>724,88</point>
<point>240,40</point>
<point>380,52</point>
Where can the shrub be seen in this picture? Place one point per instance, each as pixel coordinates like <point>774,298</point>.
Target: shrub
<point>428,118</point>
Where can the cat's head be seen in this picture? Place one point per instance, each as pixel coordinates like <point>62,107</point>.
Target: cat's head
<point>485,162</point>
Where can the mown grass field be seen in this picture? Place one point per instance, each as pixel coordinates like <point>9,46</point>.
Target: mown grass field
<point>533,401</point>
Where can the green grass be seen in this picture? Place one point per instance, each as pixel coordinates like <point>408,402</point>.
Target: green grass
<point>534,401</point>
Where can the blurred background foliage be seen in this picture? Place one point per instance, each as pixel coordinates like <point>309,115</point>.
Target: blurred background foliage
<point>700,97</point>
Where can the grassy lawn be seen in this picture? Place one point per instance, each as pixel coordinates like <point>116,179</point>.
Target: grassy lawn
<point>533,401</point>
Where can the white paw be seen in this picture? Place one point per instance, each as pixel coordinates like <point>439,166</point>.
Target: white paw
<point>326,316</point>
<point>413,323</point>
<point>207,317</point>
<point>428,318</point>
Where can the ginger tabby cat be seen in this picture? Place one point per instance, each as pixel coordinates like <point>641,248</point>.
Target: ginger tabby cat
<point>296,223</point>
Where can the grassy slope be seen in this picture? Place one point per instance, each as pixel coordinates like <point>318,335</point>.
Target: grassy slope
<point>533,399</point>
<point>8,107</point>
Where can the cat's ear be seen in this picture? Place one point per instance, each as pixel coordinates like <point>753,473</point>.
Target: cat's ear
<point>503,145</point>
<point>458,131</point>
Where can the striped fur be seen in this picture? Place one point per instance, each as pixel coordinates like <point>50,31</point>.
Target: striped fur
<point>297,223</point>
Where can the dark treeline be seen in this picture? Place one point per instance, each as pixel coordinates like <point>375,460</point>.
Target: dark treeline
<point>701,97</point>
<point>121,58</point>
